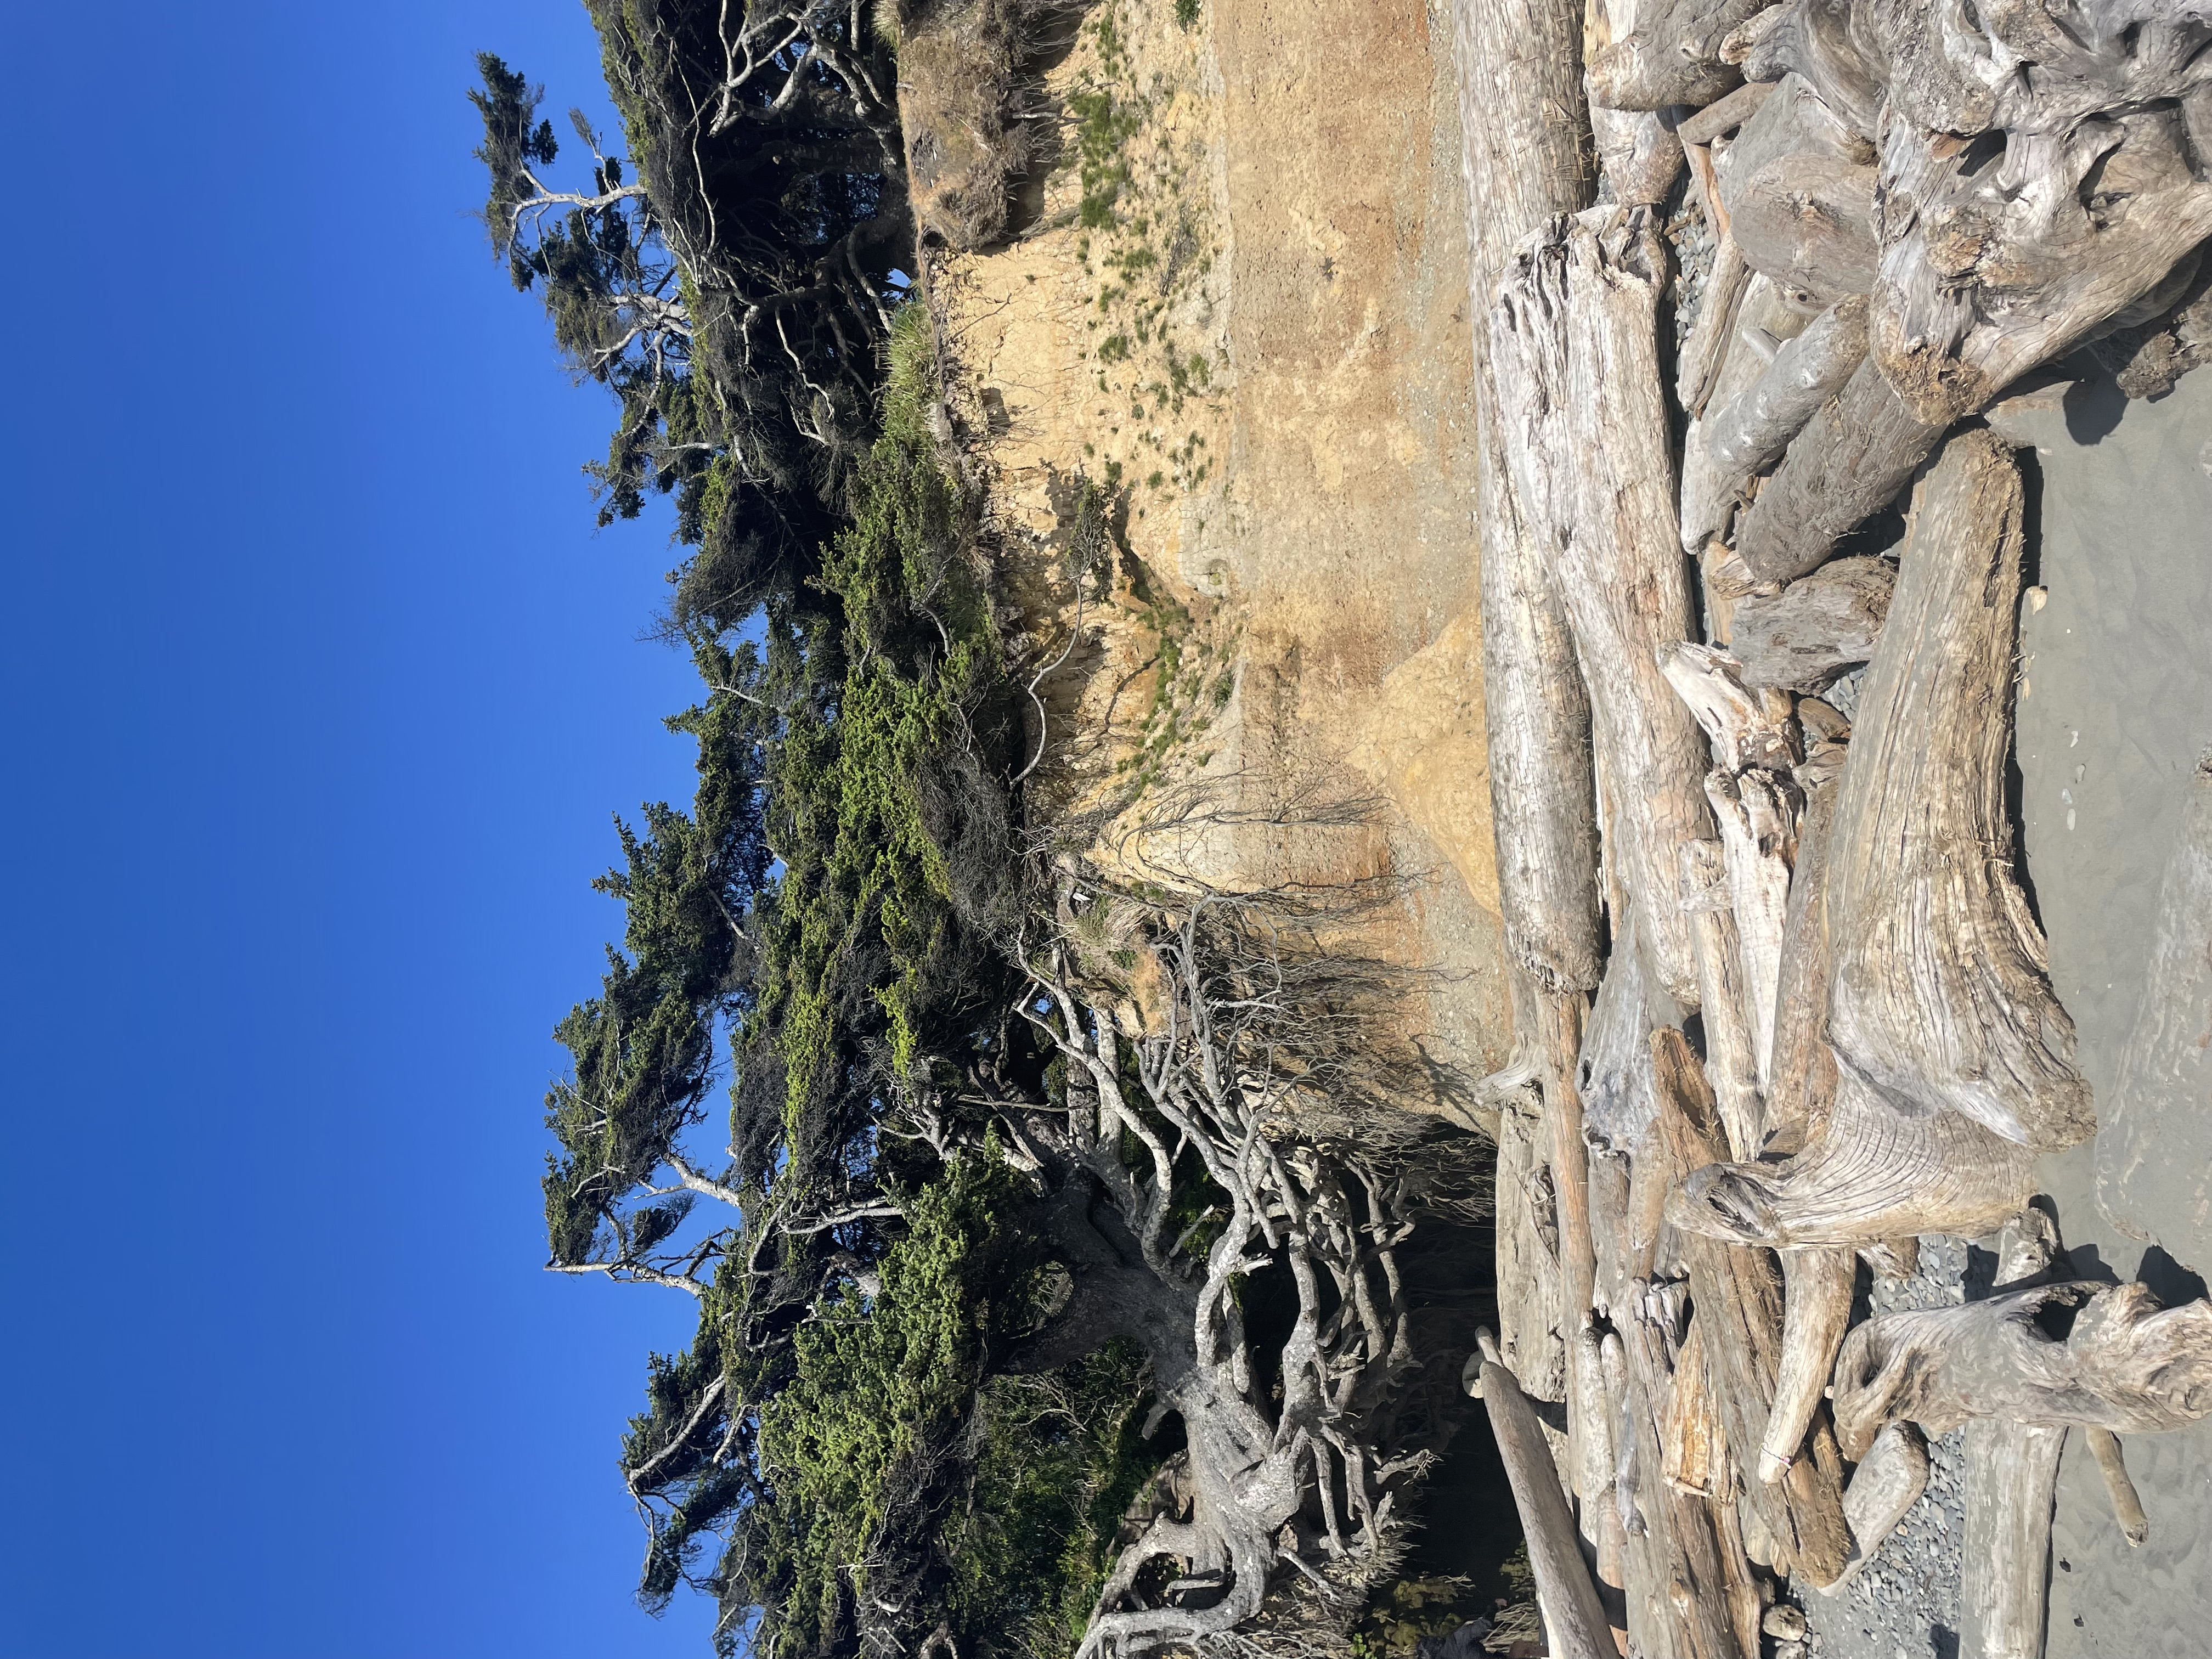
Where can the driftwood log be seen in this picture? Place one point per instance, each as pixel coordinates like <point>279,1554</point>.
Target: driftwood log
<point>1888,1482</point>
<point>1954,1059</point>
<point>1576,1617</point>
<point>1814,629</point>
<point>1574,335</point>
<point>1737,1296</point>
<point>1750,434</point>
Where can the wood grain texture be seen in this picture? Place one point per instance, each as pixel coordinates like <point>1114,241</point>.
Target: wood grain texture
<point>1587,439</point>
<point>1816,628</point>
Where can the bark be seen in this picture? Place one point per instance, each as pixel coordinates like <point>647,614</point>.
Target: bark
<point>1849,462</point>
<point>1524,159</point>
<point>1578,368</point>
<point>1816,628</point>
<point>2166,1068</point>
<point>1572,1611</point>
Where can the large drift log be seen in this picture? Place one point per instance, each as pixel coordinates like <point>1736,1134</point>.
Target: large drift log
<point>1671,56</point>
<point>2012,1479</point>
<point>1888,1481</point>
<point>1571,1608</point>
<point>1524,157</point>
<point>1939,1001</point>
<point>1575,338</point>
<point>1807,222</point>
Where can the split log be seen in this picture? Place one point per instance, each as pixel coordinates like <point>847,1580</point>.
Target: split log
<point>2165,1070</point>
<point>1710,337</point>
<point>1750,434</point>
<point>1574,335</point>
<point>1738,1299</point>
<point>1530,1323</point>
<point>1572,1613</point>
<point>2128,1364</point>
<point>1888,1482</point>
<point>1695,1443</point>
<point>1670,55</point>
<point>1807,222</point>
<point>1759,814</point>
<point>1524,158</point>
<point>1940,999</point>
<point>1816,628</point>
<point>1849,462</point>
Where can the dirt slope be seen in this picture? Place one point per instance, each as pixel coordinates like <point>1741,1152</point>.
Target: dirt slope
<point>1240,302</point>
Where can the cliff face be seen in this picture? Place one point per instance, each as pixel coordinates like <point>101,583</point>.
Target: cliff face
<point>1239,305</point>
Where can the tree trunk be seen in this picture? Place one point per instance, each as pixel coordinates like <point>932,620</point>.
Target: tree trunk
<point>1577,369</point>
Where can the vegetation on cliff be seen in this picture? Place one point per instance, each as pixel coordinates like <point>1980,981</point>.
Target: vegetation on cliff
<point>1051,1276</point>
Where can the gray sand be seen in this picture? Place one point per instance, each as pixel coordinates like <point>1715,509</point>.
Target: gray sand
<point>2115,708</point>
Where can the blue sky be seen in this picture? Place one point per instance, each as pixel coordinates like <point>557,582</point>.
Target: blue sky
<point>319,689</point>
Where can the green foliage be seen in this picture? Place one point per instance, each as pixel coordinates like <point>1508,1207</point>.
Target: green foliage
<point>1186,15</point>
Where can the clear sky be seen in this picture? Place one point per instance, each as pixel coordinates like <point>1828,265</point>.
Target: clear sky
<point>319,690</point>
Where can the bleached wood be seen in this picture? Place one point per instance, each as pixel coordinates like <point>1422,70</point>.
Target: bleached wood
<point>1706,347</point>
<point>1572,1611</point>
<point>1670,55</point>
<point>1738,1294</point>
<point>1731,1063</point>
<point>1940,999</point>
<point>1765,322</point>
<point>1888,1482</point>
<point>1751,432</point>
<point>1817,1291</point>
<point>1757,813</point>
<point>1807,221</point>
<point>1814,629</point>
<point>1747,726</point>
<point>2012,1479</point>
<point>1524,150</point>
<point>1587,442</point>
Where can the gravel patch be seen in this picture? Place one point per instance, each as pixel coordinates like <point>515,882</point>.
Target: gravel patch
<point>1903,1603</point>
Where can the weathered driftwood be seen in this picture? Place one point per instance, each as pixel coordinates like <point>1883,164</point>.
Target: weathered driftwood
<point>1724,116</point>
<point>1678,1586</point>
<point>1695,1443</point>
<point>1764,323</point>
<point>1888,1482</point>
<point>1731,1063</point>
<point>2127,1505</point>
<point>1940,998</point>
<point>1738,1299</point>
<point>1874,1174</point>
<point>1751,433</point>
<point>1638,152</point>
<point>2166,1068</point>
<point>1991,264</point>
<point>1710,336</point>
<point>1524,158</point>
<point>1746,727</point>
<point>1670,55</point>
<point>1807,221</point>
<point>1802,1075</point>
<point>1596,1472</point>
<point>1815,628</point>
<point>1817,1287</point>
<point>1813,40</point>
<point>2012,1478</point>
<point>1758,812</point>
<point>1574,335</point>
<point>2127,1364</point>
<point>2149,356</point>
<point>1849,462</point>
<point>1572,1611</point>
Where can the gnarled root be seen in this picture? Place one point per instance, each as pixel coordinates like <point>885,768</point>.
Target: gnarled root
<point>2128,1365</point>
